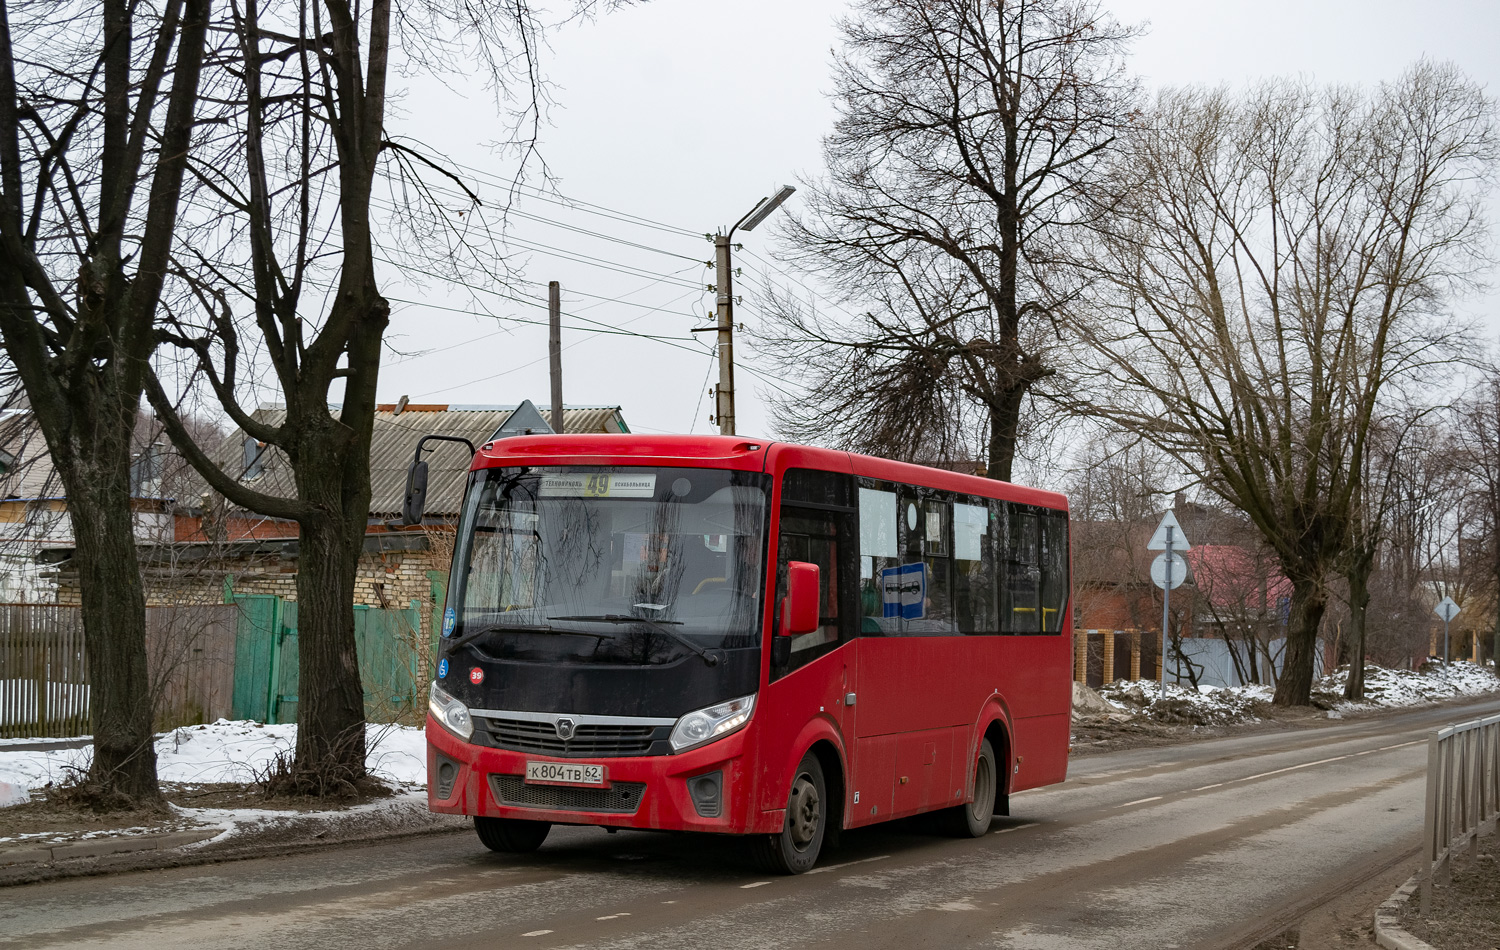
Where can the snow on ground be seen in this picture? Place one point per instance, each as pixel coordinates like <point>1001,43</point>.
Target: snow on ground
<point>225,752</point>
<point>1222,705</point>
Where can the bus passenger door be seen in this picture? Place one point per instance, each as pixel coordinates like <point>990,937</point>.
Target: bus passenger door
<point>812,673</point>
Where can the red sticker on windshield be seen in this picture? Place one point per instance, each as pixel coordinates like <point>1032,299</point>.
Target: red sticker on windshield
<point>476,675</point>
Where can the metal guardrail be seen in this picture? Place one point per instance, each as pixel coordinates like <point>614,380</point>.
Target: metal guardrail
<point>1463,792</point>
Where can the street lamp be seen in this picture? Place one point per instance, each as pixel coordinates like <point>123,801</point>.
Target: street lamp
<point>724,290</point>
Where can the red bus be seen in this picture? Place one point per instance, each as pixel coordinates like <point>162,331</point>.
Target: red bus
<point>738,636</point>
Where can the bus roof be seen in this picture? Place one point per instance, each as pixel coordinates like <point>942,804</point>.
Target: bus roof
<point>743,454</point>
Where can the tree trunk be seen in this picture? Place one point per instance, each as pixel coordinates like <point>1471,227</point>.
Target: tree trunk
<point>1359,601</point>
<point>332,471</point>
<point>97,481</point>
<point>330,699</point>
<point>1309,601</point>
<point>1005,419</point>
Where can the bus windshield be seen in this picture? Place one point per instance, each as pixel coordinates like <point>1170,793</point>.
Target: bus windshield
<point>624,565</point>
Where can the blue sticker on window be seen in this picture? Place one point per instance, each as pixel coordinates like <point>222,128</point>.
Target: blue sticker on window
<point>450,619</point>
<point>443,668</point>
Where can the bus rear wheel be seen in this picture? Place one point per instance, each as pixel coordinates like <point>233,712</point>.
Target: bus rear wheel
<point>511,835</point>
<point>973,820</point>
<point>795,849</point>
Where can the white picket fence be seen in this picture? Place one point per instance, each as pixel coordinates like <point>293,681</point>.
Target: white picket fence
<point>1463,794</point>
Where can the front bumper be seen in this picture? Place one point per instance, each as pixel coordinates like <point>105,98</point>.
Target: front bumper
<point>650,791</point>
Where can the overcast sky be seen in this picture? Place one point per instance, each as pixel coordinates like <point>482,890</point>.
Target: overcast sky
<point>685,113</point>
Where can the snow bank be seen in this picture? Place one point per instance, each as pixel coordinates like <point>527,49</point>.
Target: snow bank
<point>1224,705</point>
<point>226,752</point>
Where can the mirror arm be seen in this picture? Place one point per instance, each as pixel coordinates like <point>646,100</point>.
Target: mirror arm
<point>422,443</point>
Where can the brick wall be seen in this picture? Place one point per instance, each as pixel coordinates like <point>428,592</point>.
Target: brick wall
<point>391,579</point>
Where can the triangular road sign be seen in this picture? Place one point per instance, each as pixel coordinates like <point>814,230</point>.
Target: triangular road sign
<point>523,420</point>
<point>1158,540</point>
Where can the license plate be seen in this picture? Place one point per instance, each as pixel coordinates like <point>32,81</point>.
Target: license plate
<point>564,773</point>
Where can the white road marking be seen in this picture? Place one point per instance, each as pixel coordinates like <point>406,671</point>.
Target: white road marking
<point>1290,768</point>
<point>537,933</point>
<point>1029,824</point>
<point>613,916</point>
<point>846,864</point>
<point>756,884</point>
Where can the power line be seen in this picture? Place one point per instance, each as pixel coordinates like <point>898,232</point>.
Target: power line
<point>444,190</point>
<point>579,204</point>
<point>677,342</point>
<point>577,258</point>
<point>526,301</point>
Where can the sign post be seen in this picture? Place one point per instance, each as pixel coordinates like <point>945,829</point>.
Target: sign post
<point>1167,571</point>
<point>1446,609</point>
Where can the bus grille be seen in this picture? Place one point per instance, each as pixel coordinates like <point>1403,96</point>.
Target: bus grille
<point>519,735</point>
<point>624,797</point>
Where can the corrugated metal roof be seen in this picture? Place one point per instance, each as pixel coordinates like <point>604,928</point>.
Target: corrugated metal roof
<point>394,440</point>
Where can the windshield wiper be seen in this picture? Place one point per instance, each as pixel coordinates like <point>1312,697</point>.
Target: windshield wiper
<point>468,638</point>
<point>660,626</point>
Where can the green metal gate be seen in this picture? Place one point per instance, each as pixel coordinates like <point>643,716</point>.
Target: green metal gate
<point>388,644</point>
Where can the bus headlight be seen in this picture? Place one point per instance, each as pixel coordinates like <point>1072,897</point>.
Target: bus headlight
<point>706,725</point>
<point>453,714</point>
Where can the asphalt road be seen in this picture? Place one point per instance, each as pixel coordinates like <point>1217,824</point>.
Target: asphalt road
<point>1212,844</point>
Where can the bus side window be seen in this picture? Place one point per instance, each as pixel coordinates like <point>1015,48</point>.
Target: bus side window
<point>934,526</point>
<point>974,570</point>
<point>1054,562</point>
<point>879,552</point>
<point>1021,574</point>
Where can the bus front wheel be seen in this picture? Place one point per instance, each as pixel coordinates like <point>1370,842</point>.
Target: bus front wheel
<point>511,835</point>
<point>973,820</point>
<point>795,849</point>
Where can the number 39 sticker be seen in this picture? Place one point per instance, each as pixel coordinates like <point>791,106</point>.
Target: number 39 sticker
<point>476,675</point>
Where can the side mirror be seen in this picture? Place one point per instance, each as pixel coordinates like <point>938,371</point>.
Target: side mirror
<point>415,502</point>
<point>416,493</point>
<point>800,607</point>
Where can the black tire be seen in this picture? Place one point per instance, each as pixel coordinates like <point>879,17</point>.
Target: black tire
<point>795,849</point>
<point>973,820</point>
<point>511,835</point>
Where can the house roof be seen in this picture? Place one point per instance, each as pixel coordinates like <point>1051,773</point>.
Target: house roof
<point>393,442</point>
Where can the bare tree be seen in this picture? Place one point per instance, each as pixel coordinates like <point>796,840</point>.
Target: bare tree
<point>97,104</point>
<point>967,133</point>
<point>291,286</point>
<point>1274,267</point>
<point>1403,462</point>
<point>1477,444</point>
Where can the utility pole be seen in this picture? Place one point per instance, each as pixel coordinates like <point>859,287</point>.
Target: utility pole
<point>554,351</point>
<point>724,289</point>
<point>724,292</point>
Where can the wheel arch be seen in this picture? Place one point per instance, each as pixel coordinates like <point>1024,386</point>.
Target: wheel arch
<point>835,784</point>
<point>997,728</point>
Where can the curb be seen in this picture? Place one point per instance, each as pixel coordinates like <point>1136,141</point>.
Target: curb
<point>33,865</point>
<point>102,847</point>
<point>1388,930</point>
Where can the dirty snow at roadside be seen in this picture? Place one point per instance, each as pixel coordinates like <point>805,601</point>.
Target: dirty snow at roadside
<point>226,752</point>
<point>1223,705</point>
